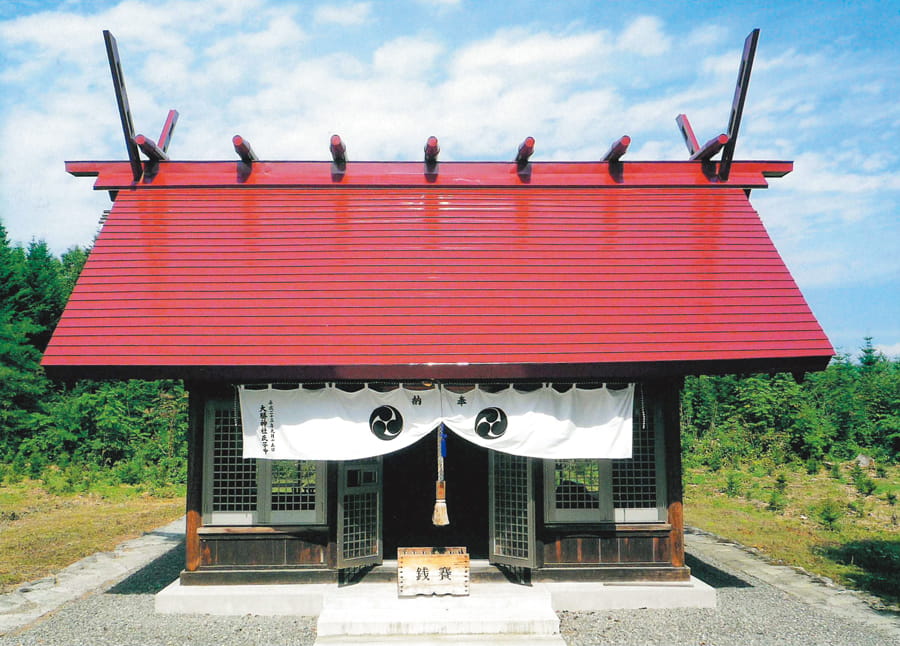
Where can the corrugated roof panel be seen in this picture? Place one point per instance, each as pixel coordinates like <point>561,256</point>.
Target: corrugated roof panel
<point>402,279</point>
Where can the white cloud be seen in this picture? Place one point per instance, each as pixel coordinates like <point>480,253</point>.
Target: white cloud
<point>815,173</point>
<point>406,57</point>
<point>441,4</point>
<point>536,57</point>
<point>644,36</point>
<point>892,351</point>
<point>710,35</point>
<point>357,13</point>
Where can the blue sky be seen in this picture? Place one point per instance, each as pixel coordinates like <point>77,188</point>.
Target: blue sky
<point>482,75</point>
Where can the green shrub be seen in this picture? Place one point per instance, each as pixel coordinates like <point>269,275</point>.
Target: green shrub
<point>829,514</point>
<point>777,502</point>
<point>865,486</point>
<point>733,484</point>
<point>858,507</point>
<point>813,466</point>
<point>835,471</point>
<point>781,483</point>
<point>71,479</point>
<point>129,472</point>
<point>55,481</point>
<point>13,477</point>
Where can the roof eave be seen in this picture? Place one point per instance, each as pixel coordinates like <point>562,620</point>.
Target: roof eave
<point>633,371</point>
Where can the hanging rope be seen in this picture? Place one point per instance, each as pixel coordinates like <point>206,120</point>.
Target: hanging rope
<point>643,412</point>
<point>440,517</point>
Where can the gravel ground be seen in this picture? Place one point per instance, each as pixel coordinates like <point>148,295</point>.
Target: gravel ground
<point>749,612</point>
<point>123,615</point>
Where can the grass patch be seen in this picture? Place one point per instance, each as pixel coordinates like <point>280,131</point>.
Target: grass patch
<point>41,533</point>
<point>822,522</point>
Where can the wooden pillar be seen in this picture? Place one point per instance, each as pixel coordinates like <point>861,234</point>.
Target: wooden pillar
<point>671,397</point>
<point>194,503</point>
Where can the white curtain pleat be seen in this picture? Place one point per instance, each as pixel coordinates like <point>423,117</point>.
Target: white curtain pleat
<point>332,424</point>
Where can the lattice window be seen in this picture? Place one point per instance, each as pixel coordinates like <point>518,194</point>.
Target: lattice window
<point>360,525</point>
<point>240,491</point>
<point>576,484</point>
<point>634,483</point>
<point>233,478</point>
<point>511,531</point>
<point>602,491</point>
<point>294,485</point>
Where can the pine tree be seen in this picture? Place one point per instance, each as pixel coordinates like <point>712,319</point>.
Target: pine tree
<point>868,355</point>
<point>11,266</point>
<point>22,384</point>
<point>43,296</point>
<point>72,263</point>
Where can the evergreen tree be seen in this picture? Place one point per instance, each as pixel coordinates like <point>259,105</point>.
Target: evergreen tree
<point>869,357</point>
<point>72,263</point>
<point>11,267</point>
<point>43,296</point>
<point>22,384</point>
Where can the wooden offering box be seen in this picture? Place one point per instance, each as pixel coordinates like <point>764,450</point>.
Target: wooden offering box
<point>432,571</point>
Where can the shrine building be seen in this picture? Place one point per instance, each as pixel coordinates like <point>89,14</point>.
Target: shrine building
<point>347,328</point>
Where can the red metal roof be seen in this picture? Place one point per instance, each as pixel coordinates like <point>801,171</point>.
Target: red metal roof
<point>204,271</point>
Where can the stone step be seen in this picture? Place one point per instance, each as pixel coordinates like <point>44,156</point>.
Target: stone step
<point>491,609</point>
<point>440,640</point>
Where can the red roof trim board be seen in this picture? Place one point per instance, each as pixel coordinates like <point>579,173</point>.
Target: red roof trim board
<point>216,270</point>
<point>117,175</point>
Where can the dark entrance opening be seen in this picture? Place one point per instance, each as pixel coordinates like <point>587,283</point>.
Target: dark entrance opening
<point>409,477</point>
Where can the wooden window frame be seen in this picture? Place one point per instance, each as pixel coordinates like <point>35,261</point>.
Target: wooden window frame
<point>262,515</point>
<point>659,513</point>
<point>607,512</point>
<point>603,513</point>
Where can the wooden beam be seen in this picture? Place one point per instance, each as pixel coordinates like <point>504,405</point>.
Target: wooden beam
<point>526,150</point>
<point>194,500</point>
<point>243,149</point>
<point>115,68</point>
<point>432,150</point>
<point>682,174</point>
<point>619,148</point>
<point>690,139</point>
<point>165,137</point>
<point>153,152</point>
<point>710,148</point>
<point>670,392</point>
<point>737,103</point>
<point>338,151</point>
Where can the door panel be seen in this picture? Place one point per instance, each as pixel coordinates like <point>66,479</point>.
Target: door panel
<point>359,513</point>
<point>511,510</point>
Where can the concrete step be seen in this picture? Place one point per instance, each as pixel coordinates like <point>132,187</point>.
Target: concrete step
<point>491,609</point>
<point>441,640</point>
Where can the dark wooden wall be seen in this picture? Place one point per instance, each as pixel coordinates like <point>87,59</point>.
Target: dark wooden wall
<point>611,553</point>
<point>264,555</point>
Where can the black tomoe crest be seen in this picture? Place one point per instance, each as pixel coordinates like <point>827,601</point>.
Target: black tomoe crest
<point>386,422</point>
<point>491,423</point>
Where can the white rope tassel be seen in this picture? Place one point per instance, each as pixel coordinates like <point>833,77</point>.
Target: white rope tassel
<point>643,412</point>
